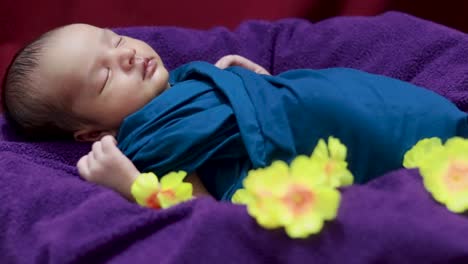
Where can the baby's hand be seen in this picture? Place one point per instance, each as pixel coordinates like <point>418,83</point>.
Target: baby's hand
<point>106,165</point>
<point>237,60</point>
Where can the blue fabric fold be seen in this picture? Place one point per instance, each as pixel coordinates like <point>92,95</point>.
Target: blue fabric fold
<point>223,123</point>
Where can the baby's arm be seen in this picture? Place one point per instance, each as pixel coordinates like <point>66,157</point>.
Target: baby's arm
<point>106,165</point>
<point>237,60</point>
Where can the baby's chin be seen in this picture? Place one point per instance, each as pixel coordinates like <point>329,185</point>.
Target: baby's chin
<point>164,88</point>
<point>157,90</point>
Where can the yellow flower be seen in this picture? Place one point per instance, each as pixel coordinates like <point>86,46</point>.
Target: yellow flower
<point>445,174</point>
<point>305,208</point>
<point>149,192</point>
<point>290,196</point>
<point>331,160</point>
<point>242,196</point>
<point>423,149</point>
<point>174,190</point>
<point>262,187</point>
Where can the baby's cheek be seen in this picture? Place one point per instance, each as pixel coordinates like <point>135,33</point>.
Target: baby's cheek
<point>136,101</point>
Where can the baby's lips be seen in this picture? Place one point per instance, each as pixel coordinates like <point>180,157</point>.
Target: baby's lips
<point>150,67</point>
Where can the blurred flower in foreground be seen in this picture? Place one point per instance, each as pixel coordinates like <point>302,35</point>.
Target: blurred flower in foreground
<point>422,150</point>
<point>149,192</point>
<point>444,169</point>
<point>331,159</point>
<point>297,197</point>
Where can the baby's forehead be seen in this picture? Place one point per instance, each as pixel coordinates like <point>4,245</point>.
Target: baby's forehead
<point>80,27</point>
<point>61,74</point>
<point>72,45</point>
<point>73,32</point>
<point>69,64</point>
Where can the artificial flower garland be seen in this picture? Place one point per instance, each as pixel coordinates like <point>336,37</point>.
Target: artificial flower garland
<point>303,195</point>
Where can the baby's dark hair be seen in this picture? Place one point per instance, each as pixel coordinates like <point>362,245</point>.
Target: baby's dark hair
<point>27,107</point>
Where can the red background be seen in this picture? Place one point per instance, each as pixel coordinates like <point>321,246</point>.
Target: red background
<point>23,20</point>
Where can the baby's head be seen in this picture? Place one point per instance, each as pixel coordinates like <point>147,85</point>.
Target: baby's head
<point>82,81</point>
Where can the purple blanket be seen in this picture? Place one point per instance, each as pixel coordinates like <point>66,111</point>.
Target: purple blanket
<point>49,215</point>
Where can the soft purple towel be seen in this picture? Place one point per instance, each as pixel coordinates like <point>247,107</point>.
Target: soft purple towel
<point>49,215</point>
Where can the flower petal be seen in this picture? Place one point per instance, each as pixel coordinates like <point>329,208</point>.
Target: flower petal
<point>327,202</point>
<point>418,153</point>
<point>172,179</point>
<point>266,181</point>
<point>305,170</point>
<point>266,212</point>
<point>457,143</point>
<point>279,167</point>
<point>145,185</point>
<point>320,151</point>
<point>184,191</point>
<point>336,148</point>
<point>242,196</point>
<point>459,204</point>
<point>302,228</point>
<point>347,178</point>
<point>179,194</point>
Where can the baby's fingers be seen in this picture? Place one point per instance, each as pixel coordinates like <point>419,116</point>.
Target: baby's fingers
<point>108,143</point>
<point>97,150</point>
<point>109,139</point>
<point>83,167</point>
<point>224,62</point>
<point>260,70</point>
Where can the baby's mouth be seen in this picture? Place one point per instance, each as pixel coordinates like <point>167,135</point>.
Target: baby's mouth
<point>149,67</point>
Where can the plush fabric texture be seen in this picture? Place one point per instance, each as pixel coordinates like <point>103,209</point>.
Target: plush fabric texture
<point>49,215</point>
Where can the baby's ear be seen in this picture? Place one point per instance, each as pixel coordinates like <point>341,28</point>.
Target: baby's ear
<point>91,135</point>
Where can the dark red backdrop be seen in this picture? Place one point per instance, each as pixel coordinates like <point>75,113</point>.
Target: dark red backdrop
<point>23,20</point>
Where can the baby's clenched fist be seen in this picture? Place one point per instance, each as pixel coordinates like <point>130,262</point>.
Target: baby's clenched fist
<point>106,165</point>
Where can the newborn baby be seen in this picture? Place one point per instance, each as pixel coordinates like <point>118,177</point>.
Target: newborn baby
<point>216,123</point>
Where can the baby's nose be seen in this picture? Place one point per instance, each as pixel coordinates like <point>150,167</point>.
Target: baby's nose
<point>126,58</point>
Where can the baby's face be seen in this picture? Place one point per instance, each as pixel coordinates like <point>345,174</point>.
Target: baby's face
<point>103,75</point>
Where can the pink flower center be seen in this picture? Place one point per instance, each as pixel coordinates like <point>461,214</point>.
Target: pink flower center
<point>298,199</point>
<point>169,193</point>
<point>152,201</point>
<point>329,167</point>
<point>457,176</point>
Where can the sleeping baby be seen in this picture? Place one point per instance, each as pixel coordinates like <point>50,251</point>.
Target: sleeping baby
<point>216,122</point>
